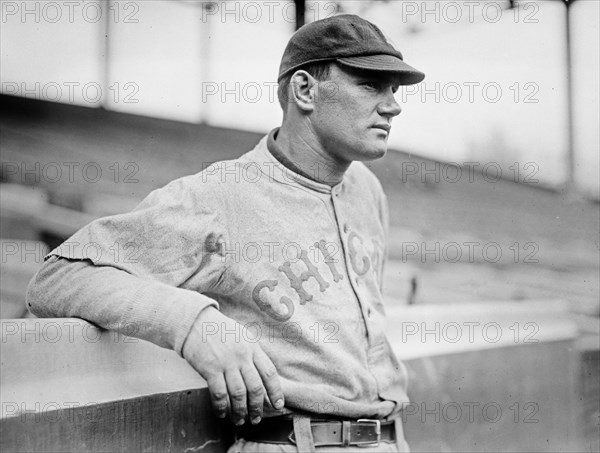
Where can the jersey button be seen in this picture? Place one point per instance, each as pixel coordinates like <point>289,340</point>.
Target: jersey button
<point>346,228</point>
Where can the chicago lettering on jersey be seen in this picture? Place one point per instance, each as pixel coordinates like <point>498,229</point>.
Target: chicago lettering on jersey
<point>281,308</point>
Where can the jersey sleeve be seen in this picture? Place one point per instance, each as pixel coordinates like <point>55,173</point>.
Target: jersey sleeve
<point>130,272</point>
<point>176,233</point>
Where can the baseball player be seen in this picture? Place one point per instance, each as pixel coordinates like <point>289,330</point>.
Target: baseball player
<point>265,272</point>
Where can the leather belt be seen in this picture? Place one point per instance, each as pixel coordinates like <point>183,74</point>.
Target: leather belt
<point>362,432</point>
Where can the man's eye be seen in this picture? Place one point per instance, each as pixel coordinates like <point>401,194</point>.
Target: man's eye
<point>371,85</point>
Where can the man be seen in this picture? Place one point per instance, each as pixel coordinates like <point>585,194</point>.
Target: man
<point>285,244</point>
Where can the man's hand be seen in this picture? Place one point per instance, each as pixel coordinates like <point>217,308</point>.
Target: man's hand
<point>237,372</point>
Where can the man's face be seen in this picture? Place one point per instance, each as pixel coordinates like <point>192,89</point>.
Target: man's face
<point>353,113</point>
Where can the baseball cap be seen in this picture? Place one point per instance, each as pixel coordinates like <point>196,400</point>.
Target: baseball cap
<point>349,40</point>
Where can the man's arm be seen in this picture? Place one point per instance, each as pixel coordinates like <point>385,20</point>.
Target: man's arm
<point>237,374</point>
<point>115,300</point>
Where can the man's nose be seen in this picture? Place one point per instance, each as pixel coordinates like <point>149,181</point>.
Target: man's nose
<point>389,106</point>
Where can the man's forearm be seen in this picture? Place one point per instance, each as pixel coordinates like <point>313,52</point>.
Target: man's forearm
<point>115,300</point>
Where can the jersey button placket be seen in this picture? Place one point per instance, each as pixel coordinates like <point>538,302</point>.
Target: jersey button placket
<point>345,230</point>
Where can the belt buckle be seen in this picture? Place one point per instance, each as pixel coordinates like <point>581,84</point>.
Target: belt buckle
<point>371,422</point>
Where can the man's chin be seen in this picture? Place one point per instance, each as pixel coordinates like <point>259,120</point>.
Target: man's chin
<point>365,154</point>
<point>373,154</point>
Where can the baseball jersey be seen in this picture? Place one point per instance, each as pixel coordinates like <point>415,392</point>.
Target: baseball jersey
<point>296,262</point>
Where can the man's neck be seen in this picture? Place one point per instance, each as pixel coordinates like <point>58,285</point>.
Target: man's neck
<point>306,159</point>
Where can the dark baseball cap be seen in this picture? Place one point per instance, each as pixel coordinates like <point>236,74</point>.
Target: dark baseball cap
<point>349,40</point>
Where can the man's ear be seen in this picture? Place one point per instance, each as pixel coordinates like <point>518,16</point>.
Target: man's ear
<point>303,89</point>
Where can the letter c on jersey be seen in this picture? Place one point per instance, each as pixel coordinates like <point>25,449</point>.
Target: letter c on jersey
<point>266,306</point>
<point>366,264</point>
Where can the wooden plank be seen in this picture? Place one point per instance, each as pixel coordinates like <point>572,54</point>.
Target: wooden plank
<point>69,386</point>
<point>60,360</point>
<point>165,422</point>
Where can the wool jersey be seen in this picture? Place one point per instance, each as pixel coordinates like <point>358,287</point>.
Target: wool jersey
<point>296,262</point>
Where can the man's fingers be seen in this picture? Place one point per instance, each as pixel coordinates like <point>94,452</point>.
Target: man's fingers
<point>256,392</point>
<point>241,378</point>
<point>217,390</point>
<point>237,396</point>
<point>270,378</point>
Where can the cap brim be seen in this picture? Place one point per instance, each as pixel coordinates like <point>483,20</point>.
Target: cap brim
<point>387,63</point>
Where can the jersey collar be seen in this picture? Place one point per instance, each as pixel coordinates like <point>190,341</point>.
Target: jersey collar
<point>286,171</point>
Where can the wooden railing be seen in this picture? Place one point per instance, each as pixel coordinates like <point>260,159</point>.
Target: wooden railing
<point>69,386</point>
